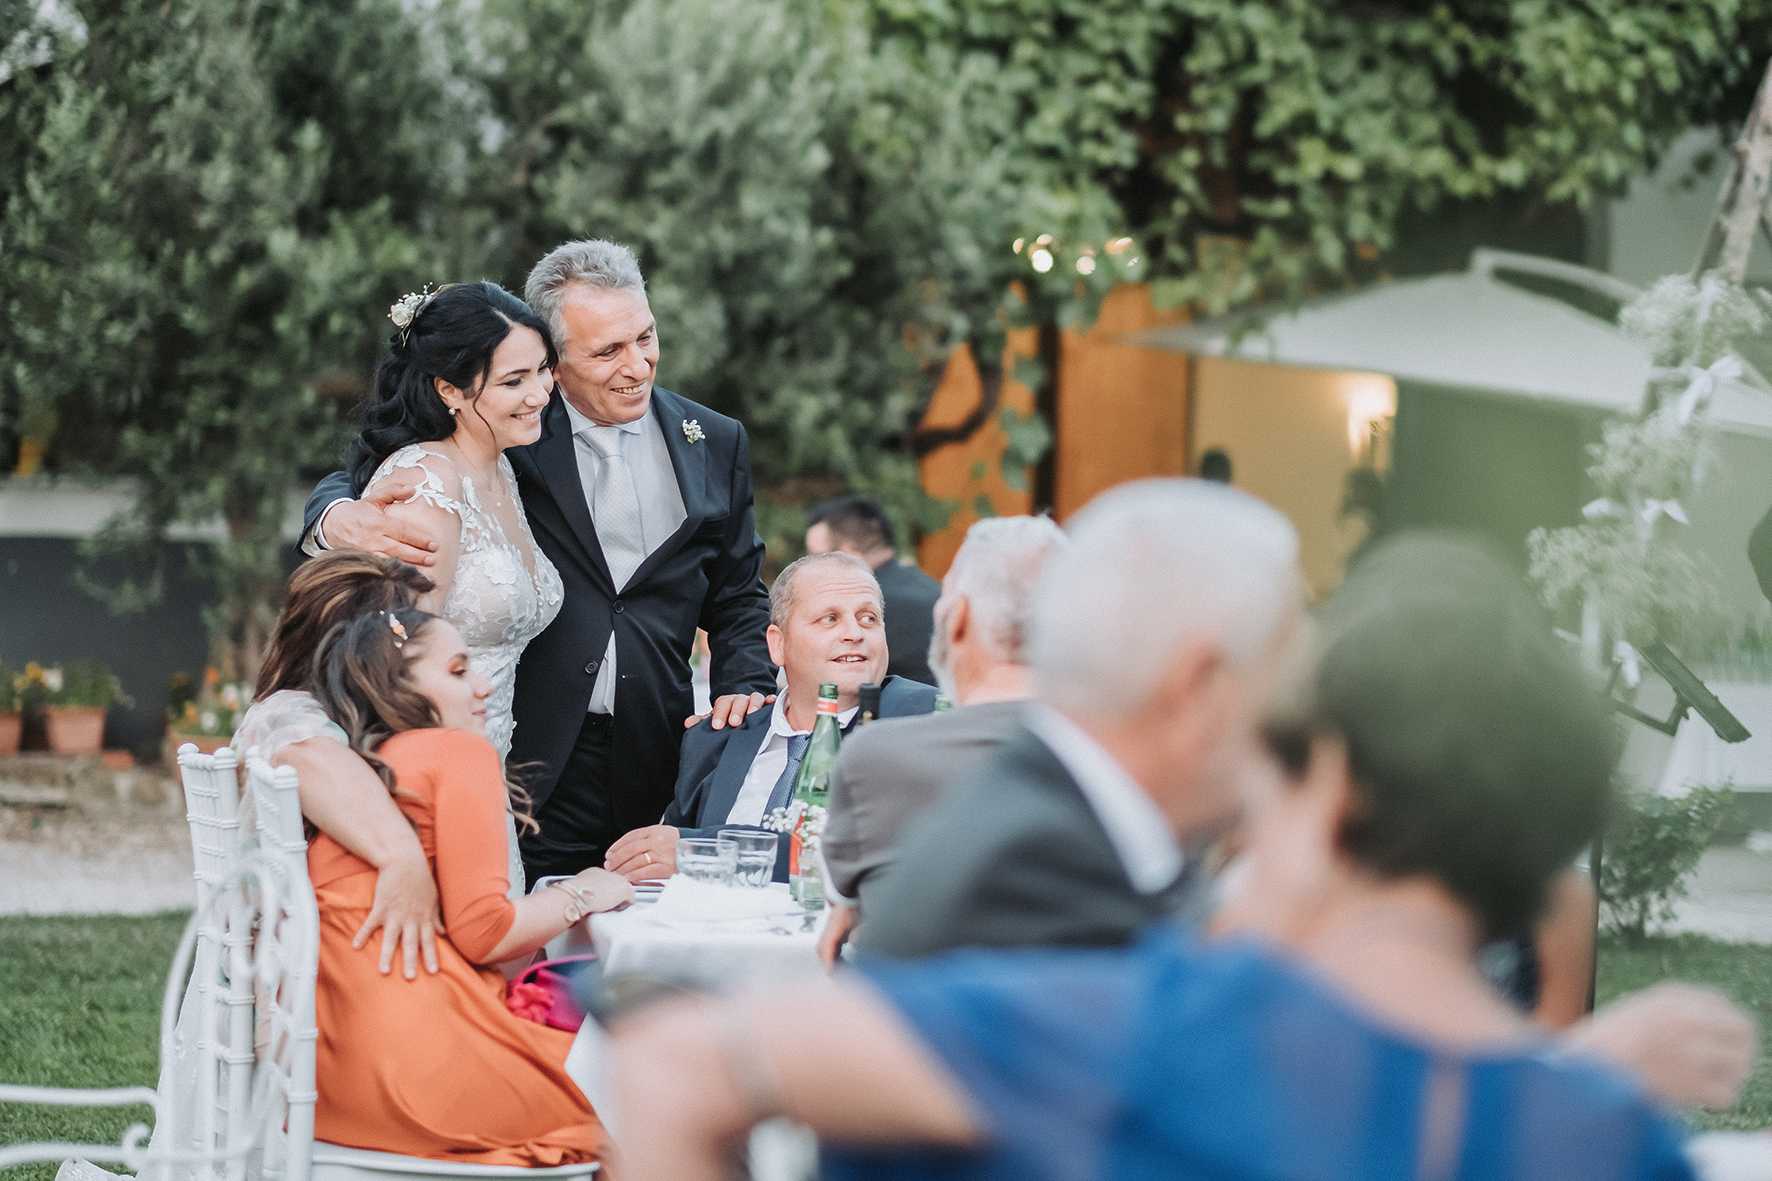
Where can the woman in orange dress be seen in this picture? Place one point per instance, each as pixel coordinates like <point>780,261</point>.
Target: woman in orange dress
<point>437,1066</point>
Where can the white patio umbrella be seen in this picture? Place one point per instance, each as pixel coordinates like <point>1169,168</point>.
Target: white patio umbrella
<point>1470,331</point>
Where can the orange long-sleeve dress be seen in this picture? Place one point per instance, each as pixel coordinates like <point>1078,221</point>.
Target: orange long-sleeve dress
<point>437,1067</point>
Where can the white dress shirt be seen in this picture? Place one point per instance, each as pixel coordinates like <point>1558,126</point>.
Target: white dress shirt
<point>1135,826</point>
<point>661,507</point>
<point>768,764</point>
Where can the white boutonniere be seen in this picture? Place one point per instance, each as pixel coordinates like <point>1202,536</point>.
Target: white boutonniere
<point>692,430</point>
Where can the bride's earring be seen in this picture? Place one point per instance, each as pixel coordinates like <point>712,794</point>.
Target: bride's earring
<point>452,410</point>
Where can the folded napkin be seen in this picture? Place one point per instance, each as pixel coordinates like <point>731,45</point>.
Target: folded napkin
<point>685,900</point>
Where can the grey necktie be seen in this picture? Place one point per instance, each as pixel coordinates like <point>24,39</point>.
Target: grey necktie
<point>617,506</point>
<point>784,787</point>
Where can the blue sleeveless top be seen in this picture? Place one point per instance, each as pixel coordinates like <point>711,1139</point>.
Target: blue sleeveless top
<point>1176,1058</point>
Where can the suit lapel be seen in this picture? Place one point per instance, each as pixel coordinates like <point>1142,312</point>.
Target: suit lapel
<point>735,763</point>
<point>556,457</point>
<point>689,461</point>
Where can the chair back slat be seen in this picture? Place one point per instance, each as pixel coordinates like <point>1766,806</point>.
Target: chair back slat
<point>288,958</point>
<point>212,799</point>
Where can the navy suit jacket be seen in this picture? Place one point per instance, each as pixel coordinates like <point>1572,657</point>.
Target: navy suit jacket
<point>715,763</point>
<point>708,574</point>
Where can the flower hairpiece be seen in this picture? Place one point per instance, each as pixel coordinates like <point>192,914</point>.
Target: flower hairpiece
<point>405,310</point>
<point>399,630</point>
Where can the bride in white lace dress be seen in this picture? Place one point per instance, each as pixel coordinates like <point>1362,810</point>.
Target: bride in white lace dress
<point>438,418</point>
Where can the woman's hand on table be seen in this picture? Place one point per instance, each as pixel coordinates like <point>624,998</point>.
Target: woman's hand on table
<point>644,854</point>
<point>604,890</point>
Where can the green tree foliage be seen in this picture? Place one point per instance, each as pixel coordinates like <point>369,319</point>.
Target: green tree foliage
<point>821,219</point>
<point>1266,149</point>
<point>205,203</point>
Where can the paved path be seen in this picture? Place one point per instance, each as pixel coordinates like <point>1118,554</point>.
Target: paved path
<point>54,863</point>
<point>1730,897</point>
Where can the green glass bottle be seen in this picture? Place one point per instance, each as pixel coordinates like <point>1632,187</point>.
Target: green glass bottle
<point>812,788</point>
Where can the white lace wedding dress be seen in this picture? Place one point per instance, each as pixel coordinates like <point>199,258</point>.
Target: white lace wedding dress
<point>502,593</point>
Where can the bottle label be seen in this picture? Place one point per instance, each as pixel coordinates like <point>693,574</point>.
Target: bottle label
<point>826,706</point>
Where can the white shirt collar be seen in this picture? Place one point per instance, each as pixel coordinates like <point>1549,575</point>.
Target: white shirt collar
<point>779,724</point>
<point>1135,826</point>
<point>580,423</point>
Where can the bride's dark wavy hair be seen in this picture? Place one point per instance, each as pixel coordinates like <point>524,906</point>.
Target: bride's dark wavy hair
<point>453,337</point>
<point>362,680</point>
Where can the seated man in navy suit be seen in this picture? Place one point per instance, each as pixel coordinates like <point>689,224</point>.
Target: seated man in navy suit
<point>826,624</point>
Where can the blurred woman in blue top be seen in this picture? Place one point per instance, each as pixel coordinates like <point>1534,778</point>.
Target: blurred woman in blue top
<point>1438,761</point>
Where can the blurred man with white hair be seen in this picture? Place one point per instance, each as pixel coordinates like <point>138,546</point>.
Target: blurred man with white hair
<point>889,772</point>
<point>1156,639</point>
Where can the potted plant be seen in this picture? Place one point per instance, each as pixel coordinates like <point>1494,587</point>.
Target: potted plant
<point>75,697</point>
<point>206,719</point>
<point>12,708</point>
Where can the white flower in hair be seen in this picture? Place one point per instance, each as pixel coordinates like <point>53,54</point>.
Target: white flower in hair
<point>406,309</point>
<point>692,430</point>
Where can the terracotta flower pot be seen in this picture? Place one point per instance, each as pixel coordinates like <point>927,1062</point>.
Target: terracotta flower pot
<point>74,729</point>
<point>206,744</point>
<point>12,726</point>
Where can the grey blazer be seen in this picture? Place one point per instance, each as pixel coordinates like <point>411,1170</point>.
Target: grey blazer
<point>1011,855</point>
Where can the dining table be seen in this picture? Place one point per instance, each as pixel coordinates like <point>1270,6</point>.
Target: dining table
<point>668,942</point>
<point>654,939</point>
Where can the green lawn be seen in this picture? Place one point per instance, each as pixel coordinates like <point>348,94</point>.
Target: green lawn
<point>80,997</point>
<point>80,1007</point>
<point>1742,972</point>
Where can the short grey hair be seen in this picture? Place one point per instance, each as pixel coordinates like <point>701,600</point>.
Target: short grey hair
<point>1153,566</point>
<point>592,262</point>
<point>781,594</point>
<point>997,569</point>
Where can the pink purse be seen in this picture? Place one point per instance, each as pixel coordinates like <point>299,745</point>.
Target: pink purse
<point>545,997</point>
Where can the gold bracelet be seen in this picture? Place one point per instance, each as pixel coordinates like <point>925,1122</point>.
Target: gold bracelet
<point>578,907</point>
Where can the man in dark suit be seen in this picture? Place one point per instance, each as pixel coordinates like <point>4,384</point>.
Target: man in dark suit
<point>858,525</point>
<point>825,627</point>
<point>642,501</point>
<point>1158,638</point>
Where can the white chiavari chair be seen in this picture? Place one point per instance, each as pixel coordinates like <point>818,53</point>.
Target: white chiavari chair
<point>289,958</point>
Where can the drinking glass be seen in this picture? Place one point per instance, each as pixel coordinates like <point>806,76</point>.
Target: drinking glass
<point>707,859</point>
<point>756,855</point>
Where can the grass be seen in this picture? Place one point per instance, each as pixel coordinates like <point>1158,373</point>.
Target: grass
<point>80,1007</point>
<point>1742,972</point>
<point>80,1004</point>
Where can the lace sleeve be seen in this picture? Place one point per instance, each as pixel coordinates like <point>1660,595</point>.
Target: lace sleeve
<point>286,716</point>
<point>441,486</point>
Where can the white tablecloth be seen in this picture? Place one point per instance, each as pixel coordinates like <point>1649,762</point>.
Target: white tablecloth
<point>630,943</point>
<point>1701,759</point>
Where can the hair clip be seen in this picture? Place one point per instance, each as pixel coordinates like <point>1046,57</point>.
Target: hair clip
<point>405,310</point>
<point>399,630</point>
